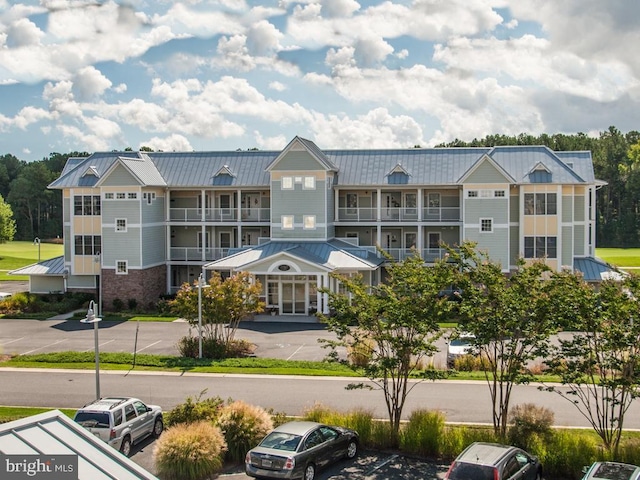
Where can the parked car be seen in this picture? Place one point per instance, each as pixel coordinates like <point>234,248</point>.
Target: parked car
<point>459,346</point>
<point>298,449</point>
<point>121,421</point>
<point>492,461</point>
<point>611,471</point>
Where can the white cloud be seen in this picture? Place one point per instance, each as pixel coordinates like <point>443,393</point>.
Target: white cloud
<point>89,82</point>
<point>270,143</point>
<point>277,86</point>
<point>121,88</point>
<point>263,38</point>
<point>30,115</point>
<point>339,8</point>
<point>371,51</point>
<point>22,33</point>
<point>172,143</point>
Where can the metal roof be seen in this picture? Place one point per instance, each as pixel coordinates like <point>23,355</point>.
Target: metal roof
<point>53,266</point>
<point>596,270</point>
<point>53,433</point>
<point>333,254</point>
<point>358,168</point>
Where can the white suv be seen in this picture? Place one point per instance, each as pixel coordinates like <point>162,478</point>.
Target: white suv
<point>121,421</point>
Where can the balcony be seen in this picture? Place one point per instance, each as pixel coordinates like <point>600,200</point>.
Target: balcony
<point>262,215</point>
<point>194,254</point>
<point>399,214</point>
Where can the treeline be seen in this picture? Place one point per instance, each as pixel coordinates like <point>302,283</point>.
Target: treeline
<point>616,157</point>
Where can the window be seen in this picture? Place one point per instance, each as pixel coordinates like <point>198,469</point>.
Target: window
<point>309,183</point>
<point>150,197</point>
<point>86,204</point>
<point>540,247</point>
<point>108,196</point>
<point>287,183</point>
<point>287,222</point>
<point>486,193</point>
<point>352,203</point>
<point>498,193</point>
<point>121,224</point>
<point>472,194</point>
<point>122,267</point>
<point>486,225</point>
<point>120,196</point>
<point>309,222</point>
<point>540,204</point>
<point>129,412</point>
<point>141,408</point>
<point>87,244</point>
<point>132,195</point>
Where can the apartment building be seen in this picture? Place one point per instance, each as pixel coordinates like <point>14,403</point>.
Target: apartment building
<point>140,224</point>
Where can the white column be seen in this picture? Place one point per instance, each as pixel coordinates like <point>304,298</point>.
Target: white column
<point>239,219</point>
<point>203,204</point>
<point>325,296</point>
<point>379,200</point>
<point>319,306</point>
<point>336,206</point>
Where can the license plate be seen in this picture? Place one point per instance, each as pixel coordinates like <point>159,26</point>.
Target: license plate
<point>266,463</point>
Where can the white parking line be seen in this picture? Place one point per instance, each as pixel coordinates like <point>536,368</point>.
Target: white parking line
<point>297,350</point>
<point>40,348</point>
<point>150,345</point>
<point>99,345</point>
<point>16,340</point>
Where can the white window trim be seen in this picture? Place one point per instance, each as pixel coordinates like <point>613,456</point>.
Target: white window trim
<point>132,196</point>
<point>125,264</point>
<point>304,222</point>
<point>486,219</point>
<point>288,180</point>
<point>109,196</point>
<point>472,194</point>
<point>499,193</point>
<point>312,180</point>
<point>284,220</point>
<point>120,230</point>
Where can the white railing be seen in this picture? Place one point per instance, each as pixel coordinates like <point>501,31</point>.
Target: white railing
<point>194,254</point>
<point>399,214</point>
<point>262,215</point>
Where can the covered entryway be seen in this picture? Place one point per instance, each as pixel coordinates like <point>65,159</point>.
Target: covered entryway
<point>293,294</point>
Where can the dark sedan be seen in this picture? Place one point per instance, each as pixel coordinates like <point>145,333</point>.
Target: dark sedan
<point>298,449</point>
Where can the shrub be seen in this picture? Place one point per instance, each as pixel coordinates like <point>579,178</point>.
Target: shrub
<point>118,305</point>
<point>188,346</point>
<point>243,426</point>
<point>423,433</point>
<point>192,411</point>
<point>470,363</point>
<point>457,438</point>
<point>567,452</point>
<point>190,452</point>
<point>132,304</point>
<point>360,354</point>
<point>529,423</point>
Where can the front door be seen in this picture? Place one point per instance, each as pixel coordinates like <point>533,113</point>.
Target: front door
<point>294,298</point>
<point>250,206</point>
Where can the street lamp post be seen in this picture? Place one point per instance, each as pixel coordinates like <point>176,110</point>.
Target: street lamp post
<point>91,318</point>
<point>200,286</point>
<point>36,241</point>
<point>98,260</point>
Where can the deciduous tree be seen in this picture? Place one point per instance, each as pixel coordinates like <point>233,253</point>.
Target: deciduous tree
<point>393,326</point>
<point>7,223</point>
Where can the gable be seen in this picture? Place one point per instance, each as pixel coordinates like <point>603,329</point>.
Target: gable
<point>486,172</point>
<point>119,177</point>
<point>300,160</point>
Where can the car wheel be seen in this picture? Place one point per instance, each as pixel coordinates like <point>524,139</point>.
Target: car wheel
<point>310,472</point>
<point>352,449</point>
<point>125,447</point>
<point>158,426</point>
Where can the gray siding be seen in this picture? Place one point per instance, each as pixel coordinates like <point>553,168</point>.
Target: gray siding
<point>495,208</point>
<point>68,243</point>
<point>486,173</point>
<point>298,160</point>
<point>112,209</point>
<point>298,202</point>
<point>496,243</point>
<point>514,245</point>
<point>154,212</point>
<point>42,284</point>
<point>514,208</point>
<point>366,235</point>
<point>66,209</point>
<point>154,241</point>
<point>120,177</point>
<point>578,240</point>
<point>567,208</point>
<point>567,246</point>
<point>578,210</point>
<point>121,246</point>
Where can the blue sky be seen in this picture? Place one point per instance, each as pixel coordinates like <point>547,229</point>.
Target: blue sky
<point>92,75</point>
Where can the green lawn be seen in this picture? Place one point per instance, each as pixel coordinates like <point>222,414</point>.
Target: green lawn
<point>19,254</point>
<point>620,257</point>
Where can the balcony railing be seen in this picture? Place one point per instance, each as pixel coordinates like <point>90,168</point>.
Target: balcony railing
<point>219,214</point>
<point>399,214</point>
<point>194,254</point>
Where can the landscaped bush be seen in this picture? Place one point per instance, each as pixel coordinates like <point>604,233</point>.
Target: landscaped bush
<point>423,433</point>
<point>195,410</point>
<point>529,423</point>
<point>189,346</point>
<point>118,305</point>
<point>456,438</point>
<point>566,453</point>
<point>470,363</point>
<point>360,354</point>
<point>243,426</point>
<point>190,451</point>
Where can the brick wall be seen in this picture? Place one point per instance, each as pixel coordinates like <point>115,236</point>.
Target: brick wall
<point>145,286</point>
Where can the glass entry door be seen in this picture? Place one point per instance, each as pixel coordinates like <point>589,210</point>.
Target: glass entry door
<point>294,298</point>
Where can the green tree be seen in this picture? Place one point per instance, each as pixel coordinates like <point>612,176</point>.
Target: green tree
<point>392,325</point>
<point>225,302</point>
<point>7,223</point>
<point>600,362</point>
<point>508,317</point>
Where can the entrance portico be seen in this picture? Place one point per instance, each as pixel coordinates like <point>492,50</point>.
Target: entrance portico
<point>292,274</point>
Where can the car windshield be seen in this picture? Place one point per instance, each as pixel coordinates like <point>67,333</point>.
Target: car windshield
<point>461,342</point>
<point>612,471</point>
<point>470,471</point>
<point>281,441</point>
<point>93,419</point>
